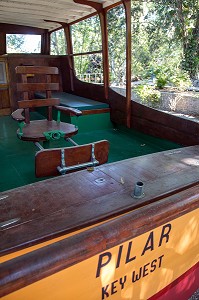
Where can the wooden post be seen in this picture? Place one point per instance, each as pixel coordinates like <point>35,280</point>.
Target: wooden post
<point>2,43</point>
<point>45,43</point>
<point>103,21</point>
<point>67,32</point>
<point>127,6</point>
<point>70,52</point>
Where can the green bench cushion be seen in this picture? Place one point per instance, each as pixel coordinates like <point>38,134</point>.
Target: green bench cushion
<point>74,101</point>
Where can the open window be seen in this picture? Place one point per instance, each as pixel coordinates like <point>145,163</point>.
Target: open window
<point>117,46</point>
<point>23,43</point>
<point>58,43</point>
<point>87,50</point>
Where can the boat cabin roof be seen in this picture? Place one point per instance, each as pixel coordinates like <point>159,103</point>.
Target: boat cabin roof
<point>40,12</point>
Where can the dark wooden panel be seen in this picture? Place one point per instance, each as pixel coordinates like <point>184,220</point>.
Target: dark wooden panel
<point>152,115</point>
<point>167,132</point>
<point>27,87</point>
<point>2,42</point>
<point>89,90</point>
<point>11,28</point>
<point>154,122</point>
<point>4,98</point>
<point>37,70</point>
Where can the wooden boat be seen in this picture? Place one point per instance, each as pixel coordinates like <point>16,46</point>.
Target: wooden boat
<point>125,230</point>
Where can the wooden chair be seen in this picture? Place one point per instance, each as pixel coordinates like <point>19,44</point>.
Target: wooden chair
<point>55,161</point>
<point>41,130</point>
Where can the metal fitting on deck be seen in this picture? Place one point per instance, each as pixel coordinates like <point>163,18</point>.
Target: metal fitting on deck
<point>138,190</point>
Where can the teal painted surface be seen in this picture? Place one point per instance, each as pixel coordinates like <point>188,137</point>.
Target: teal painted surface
<point>126,143</point>
<point>89,123</point>
<point>85,122</point>
<point>74,101</point>
<point>17,157</point>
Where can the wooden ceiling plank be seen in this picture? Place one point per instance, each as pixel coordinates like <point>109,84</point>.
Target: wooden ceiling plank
<point>43,6</point>
<point>67,11</point>
<point>41,13</point>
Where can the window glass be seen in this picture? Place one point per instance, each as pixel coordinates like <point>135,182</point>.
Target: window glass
<point>89,68</point>
<point>86,37</point>
<point>117,45</point>
<point>58,43</point>
<point>23,43</point>
<point>163,43</point>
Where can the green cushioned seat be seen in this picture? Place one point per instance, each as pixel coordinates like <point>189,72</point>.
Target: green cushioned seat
<point>74,101</point>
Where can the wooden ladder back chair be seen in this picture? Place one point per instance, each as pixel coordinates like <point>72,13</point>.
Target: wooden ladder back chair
<point>36,130</point>
<point>54,161</point>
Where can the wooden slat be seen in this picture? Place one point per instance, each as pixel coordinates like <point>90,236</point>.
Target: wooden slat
<point>38,102</point>
<point>47,161</point>
<point>32,87</point>
<point>36,70</point>
<point>95,111</point>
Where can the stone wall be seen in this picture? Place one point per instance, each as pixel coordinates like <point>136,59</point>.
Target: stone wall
<point>186,103</point>
<point>179,102</point>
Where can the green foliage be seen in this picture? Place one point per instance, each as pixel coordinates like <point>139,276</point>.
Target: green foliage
<point>86,37</point>
<point>58,43</point>
<point>164,42</point>
<point>117,44</point>
<point>168,75</point>
<point>148,94</point>
<point>161,82</point>
<point>15,42</point>
<point>23,43</point>
<point>165,33</point>
<point>180,80</point>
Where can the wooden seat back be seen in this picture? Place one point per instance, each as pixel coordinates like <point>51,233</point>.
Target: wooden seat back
<point>27,88</point>
<point>47,161</point>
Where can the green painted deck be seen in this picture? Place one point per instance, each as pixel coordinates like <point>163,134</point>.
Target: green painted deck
<point>17,157</point>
